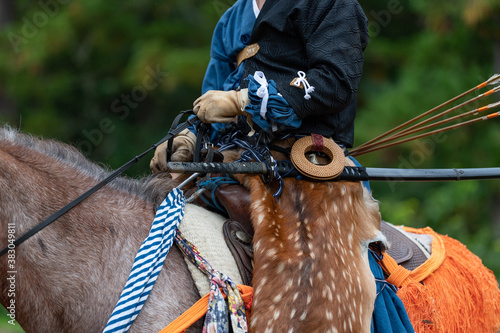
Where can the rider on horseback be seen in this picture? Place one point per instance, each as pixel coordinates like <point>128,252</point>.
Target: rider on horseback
<point>293,67</point>
<point>288,69</point>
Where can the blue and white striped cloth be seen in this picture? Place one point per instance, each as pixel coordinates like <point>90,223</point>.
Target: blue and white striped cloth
<point>148,263</point>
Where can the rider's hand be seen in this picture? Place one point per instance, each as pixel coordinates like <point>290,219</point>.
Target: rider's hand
<point>182,151</point>
<point>217,106</point>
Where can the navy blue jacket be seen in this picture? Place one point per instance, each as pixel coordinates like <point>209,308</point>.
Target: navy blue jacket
<point>323,38</point>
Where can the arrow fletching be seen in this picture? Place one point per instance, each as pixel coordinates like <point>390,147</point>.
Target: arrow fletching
<point>495,79</point>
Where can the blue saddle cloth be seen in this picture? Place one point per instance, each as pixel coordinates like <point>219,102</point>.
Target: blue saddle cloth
<point>389,314</point>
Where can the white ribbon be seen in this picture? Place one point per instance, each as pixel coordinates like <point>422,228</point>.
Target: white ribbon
<point>262,92</point>
<point>302,80</point>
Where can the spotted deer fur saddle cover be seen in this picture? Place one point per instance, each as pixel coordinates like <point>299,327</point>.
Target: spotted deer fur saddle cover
<point>313,238</point>
<point>408,249</point>
<point>309,243</point>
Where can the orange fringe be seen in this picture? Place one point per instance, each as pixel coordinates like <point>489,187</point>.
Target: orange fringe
<point>459,295</point>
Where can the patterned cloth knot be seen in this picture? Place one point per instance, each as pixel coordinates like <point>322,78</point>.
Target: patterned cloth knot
<point>216,319</point>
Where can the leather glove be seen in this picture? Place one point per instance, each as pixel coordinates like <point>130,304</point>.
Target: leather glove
<point>182,151</point>
<point>217,106</point>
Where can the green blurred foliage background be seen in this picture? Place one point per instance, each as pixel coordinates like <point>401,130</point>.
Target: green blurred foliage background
<point>109,77</point>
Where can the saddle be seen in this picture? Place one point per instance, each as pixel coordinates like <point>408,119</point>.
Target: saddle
<point>406,250</point>
<point>238,230</point>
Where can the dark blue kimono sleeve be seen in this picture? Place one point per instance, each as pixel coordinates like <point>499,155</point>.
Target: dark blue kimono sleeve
<point>335,35</point>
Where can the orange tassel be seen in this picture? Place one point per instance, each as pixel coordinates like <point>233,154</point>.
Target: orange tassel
<point>459,295</point>
<point>420,306</point>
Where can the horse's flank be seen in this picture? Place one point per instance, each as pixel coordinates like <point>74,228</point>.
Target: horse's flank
<point>70,275</point>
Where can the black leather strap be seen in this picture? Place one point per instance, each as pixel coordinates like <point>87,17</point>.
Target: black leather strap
<point>174,125</point>
<point>202,138</point>
<point>171,133</point>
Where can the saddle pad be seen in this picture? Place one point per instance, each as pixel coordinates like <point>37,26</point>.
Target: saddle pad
<point>204,229</point>
<point>408,249</point>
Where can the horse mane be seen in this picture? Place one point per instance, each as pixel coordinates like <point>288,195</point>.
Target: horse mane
<point>151,188</point>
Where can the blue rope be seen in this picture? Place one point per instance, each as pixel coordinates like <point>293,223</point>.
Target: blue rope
<point>378,257</point>
<point>385,284</point>
<point>256,153</point>
<point>212,184</point>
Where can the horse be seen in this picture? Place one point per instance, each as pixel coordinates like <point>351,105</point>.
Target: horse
<point>70,274</point>
<point>67,278</point>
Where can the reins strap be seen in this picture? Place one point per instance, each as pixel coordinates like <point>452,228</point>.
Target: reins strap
<point>102,183</point>
<point>174,125</point>
<point>202,139</point>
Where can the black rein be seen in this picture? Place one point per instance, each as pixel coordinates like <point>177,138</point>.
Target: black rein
<point>173,131</point>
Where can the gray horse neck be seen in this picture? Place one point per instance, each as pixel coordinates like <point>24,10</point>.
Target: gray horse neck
<point>69,276</point>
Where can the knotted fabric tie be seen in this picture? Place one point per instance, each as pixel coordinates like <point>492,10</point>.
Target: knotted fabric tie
<point>148,263</point>
<point>301,80</point>
<point>262,92</point>
<point>216,320</point>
